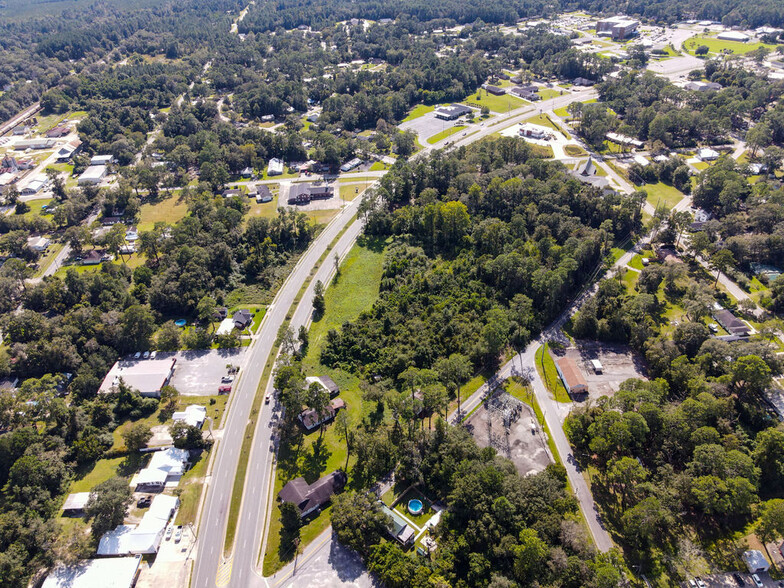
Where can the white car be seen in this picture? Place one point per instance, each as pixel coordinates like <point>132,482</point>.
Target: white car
<point>169,532</point>
<point>153,354</point>
<point>137,355</point>
<point>178,534</point>
<point>146,354</point>
<point>757,582</point>
<point>227,379</point>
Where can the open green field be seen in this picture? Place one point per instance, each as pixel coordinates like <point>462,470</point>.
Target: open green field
<point>320,453</point>
<point>550,375</point>
<point>718,45</point>
<point>660,193</point>
<point>168,210</point>
<point>191,484</point>
<point>445,133</point>
<point>547,93</point>
<point>564,113</point>
<point>264,209</point>
<point>418,111</point>
<point>495,103</point>
<point>379,166</point>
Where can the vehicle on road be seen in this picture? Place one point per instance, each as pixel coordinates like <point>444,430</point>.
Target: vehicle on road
<point>268,397</point>
<point>224,389</point>
<point>178,534</point>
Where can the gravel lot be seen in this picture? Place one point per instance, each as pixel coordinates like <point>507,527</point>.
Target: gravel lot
<point>620,363</point>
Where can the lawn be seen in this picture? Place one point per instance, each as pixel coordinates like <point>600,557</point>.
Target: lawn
<point>321,217</point>
<point>494,103</point>
<point>355,290</point>
<point>35,207</point>
<point>636,262</point>
<point>550,375</point>
<point>264,209</point>
<point>168,210</point>
<point>701,165</point>
<point>100,472</point>
<point>574,150</point>
<point>564,113</point>
<point>379,166</point>
<point>545,121</point>
<point>191,484</point>
<point>402,507</point>
<point>660,193</point>
<point>448,132</point>
<point>718,45</point>
<point>547,93</point>
<point>418,111</point>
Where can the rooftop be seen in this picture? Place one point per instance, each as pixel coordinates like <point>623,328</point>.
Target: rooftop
<point>147,376</point>
<point>116,572</point>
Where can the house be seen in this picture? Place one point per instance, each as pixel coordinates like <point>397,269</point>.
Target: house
<point>263,194</point>
<point>617,27</point>
<point>736,36</point>
<point>33,187</point>
<point>116,572</point>
<point>221,312</point>
<point>21,129</point>
<point>351,164</point>
<point>147,376</point>
<point>756,168</point>
<point>247,172</point>
<point>38,244</point>
<point>572,377</point>
<point>311,497</point>
<point>313,117</point>
<point>311,419</point>
<point>132,234</point>
<point>275,167</point>
<point>267,118</point>
<point>398,528</point>
<point>242,318</point>
<point>304,193</point>
<point>641,160</point>
<point>526,93</point>
<point>755,561</point>
<point>92,257</point>
<point>193,415</point>
<point>165,466</point>
<point>326,383</point>
<point>452,112</point>
<point>75,503</point>
<point>144,538</point>
<point>92,175</point>
<point>732,324</point>
<point>707,154</point>
<point>101,160</point>
<point>127,249</point>
<point>624,140</point>
<point>494,90</point>
<point>232,192</point>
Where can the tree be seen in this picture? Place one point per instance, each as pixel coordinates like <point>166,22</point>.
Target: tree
<point>186,436</point>
<point>205,309</point>
<point>107,505</point>
<point>358,521</point>
<point>702,50</point>
<point>750,375</point>
<point>168,337</point>
<point>343,426</point>
<point>770,525</point>
<point>454,371</point>
<point>318,300</point>
<point>767,455</point>
<point>137,326</point>
<point>405,143</point>
<point>136,436</point>
<point>291,522</point>
<point>720,261</point>
<point>530,555</point>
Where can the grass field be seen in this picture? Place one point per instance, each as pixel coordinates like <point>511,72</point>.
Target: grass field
<point>495,103</point>
<point>265,209</point>
<point>445,133</point>
<point>355,291</point>
<point>168,210</point>
<point>550,375</point>
<point>574,150</point>
<point>545,121</point>
<point>660,193</point>
<point>191,484</point>
<point>379,166</point>
<point>718,45</point>
<point>418,111</point>
<point>547,93</point>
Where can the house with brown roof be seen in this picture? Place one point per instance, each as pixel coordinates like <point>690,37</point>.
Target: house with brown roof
<point>311,497</point>
<point>311,419</point>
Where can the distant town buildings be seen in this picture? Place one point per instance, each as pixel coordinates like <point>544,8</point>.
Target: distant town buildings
<point>617,27</point>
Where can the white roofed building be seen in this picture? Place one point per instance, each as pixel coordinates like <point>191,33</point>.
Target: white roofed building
<point>144,538</point>
<point>165,466</point>
<point>194,415</point>
<point>147,376</point>
<point>117,572</point>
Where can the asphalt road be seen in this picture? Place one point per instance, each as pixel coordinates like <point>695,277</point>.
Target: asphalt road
<point>209,550</point>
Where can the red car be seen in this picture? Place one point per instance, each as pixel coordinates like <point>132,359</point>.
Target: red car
<point>224,389</point>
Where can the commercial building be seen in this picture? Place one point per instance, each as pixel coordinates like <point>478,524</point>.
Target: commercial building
<point>165,466</point>
<point>92,175</point>
<point>532,131</point>
<point>526,93</point>
<point>144,538</point>
<point>617,27</point>
<point>39,143</point>
<point>572,377</point>
<point>116,572</point>
<point>755,561</point>
<point>33,187</point>
<point>305,193</point>
<point>39,244</point>
<point>67,151</point>
<point>452,112</point>
<point>733,36</point>
<point>494,90</point>
<point>147,376</point>
<point>352,164</point>
<point>275,167</point>
<point>101,160</point>
<point>310,497</point>
<point>702,86</point>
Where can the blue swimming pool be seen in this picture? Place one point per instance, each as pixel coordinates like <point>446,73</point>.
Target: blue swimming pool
<point>180,322</point>
<point>415,506</point>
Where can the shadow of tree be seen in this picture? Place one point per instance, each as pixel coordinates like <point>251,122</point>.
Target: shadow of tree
<point>315,460</point>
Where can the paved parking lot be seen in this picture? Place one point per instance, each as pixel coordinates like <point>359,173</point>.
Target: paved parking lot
<point>727,581</point>
<point>428,125</point>
<point>620,363</point>
<point>198,372</point>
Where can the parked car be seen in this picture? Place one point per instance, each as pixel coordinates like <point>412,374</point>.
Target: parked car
<point>137,355</point>
<point>153,354</point>
<point>701,584</point>
<point>757,582</point>
<point>178,534</point>
<point>169,532</point>
<point>224,389</point>
<point>738,579</point>
<point>227,379</point>
<point>144,502</point>
<point>146,354</point>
